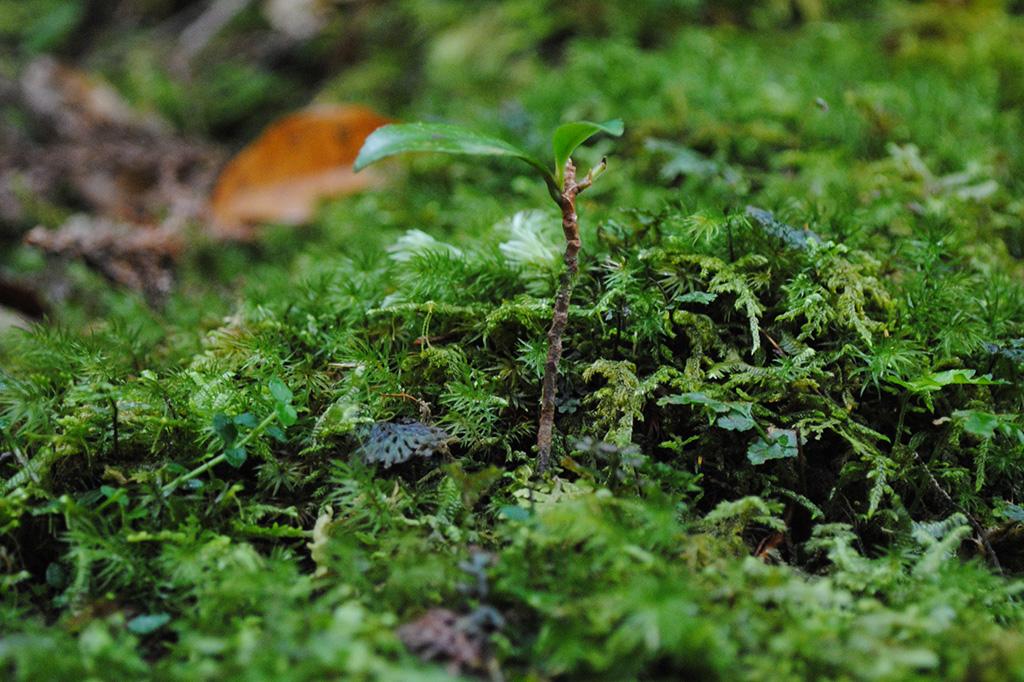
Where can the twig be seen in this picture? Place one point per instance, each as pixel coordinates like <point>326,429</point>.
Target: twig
<point>775,345</point>
<point>200,32</point>
<point>560,317</point>
<point>420,403</point>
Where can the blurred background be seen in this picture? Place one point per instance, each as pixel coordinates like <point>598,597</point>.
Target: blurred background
<point>119,118</point>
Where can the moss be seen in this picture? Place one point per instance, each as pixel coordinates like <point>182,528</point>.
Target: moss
<point>788,440</point>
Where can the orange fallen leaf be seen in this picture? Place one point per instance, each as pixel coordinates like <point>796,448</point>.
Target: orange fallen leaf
<point>299,160</point>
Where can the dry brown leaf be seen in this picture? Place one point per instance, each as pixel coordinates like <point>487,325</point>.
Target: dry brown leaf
<point>118,162</point>
<point>299,160</point>
<point>140,258</point>
<point>142,183</point>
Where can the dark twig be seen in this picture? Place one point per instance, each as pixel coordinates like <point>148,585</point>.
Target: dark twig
<point>560,317</point>
<point>205,28</point>
<point>420,403</point>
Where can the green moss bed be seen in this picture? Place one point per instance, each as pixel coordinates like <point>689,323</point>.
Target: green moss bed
<point>789,442</point>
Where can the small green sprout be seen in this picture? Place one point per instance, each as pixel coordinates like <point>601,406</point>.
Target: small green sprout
<point>233,443</point>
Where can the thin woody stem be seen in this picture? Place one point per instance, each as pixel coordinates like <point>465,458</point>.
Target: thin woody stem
<point>560,317</point>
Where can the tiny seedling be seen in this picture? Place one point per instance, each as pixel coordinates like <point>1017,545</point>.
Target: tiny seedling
<point>563,186</point>
<point>229,431</point>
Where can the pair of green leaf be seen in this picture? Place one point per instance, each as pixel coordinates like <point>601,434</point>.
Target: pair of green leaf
<point>227,428</point>
<point>738,416</point>
<point>451,139</point>
<point>930,383</point>
<point>283,397</point>
<point>731,416</point>
<point>985,425</point>
<point>927,384</point>
<point>775,444</point>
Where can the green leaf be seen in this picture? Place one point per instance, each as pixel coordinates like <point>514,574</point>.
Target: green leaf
<point>780,444</point>
<point>49,30</point>
<point>225,428</point>
<point>235,456</point>
<point>978,423</point>
<point>1011,511</point>
<point>701,297</point>
<point>929,383</point>
<point>731,416</point>
<point>514,513</point>
<point>246,419</point>
<point>398,138</point>
<point>736,420</point>
<point>280,391</point>
<point>286,414</point>
<point>571,135</point>
<point>145,624</point>
<point>933,382</point>
<point>985,425</point>
<point>695,398</point>
<point>55,576</point>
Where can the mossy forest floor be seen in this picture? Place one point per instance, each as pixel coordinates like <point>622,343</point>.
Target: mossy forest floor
<point>789,440</point>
